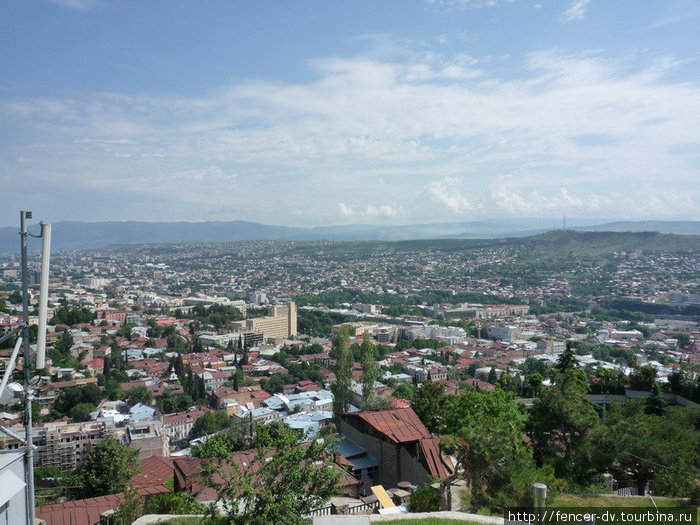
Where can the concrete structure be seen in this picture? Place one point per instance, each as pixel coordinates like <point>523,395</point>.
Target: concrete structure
<point>258,298</point>
<point>551,346</point>
<point>64,445</point>
<point>206,300</point>
<point>489,311</point>
<point>149,438</point>
<point>454,334</point>
<point>280,323</point>
<point>356,328</point>
<point>504,333</point>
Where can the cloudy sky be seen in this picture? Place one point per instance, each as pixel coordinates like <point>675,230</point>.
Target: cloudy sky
<point>335,112</point>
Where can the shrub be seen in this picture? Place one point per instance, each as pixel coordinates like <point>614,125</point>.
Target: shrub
<point>425,499</point>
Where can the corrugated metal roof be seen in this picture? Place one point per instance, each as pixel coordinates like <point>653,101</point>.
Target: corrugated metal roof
<point>364,462</point>
<point>79,512</point>
<point>437,463</point>
<point>400,425</point>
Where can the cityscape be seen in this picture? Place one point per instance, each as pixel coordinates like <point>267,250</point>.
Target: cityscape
<point>418,262</point>
<point>165,349</point>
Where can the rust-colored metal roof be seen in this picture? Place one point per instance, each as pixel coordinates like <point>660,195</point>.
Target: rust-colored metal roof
<point>155,470</point>
<point>79,512</point>
<point>438,465</point>
<point>400,425</point>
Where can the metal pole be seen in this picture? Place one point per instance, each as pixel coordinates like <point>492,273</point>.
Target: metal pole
<point>540,490</point>
<point>43,295</point>
<point>29,451</point>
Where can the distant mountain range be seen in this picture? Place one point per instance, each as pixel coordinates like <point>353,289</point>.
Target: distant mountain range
<point>90,235</point>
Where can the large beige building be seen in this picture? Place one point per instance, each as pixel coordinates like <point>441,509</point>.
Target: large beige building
<point>281,322</point>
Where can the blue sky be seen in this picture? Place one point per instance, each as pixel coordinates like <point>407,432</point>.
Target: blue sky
<point>336,112</point>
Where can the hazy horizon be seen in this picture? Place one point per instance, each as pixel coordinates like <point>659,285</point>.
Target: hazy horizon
<point>556,223</point>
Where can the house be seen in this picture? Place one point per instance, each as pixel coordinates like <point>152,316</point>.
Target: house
<point>404,449</point>
<point>178,426</point>
<point>213,379</point>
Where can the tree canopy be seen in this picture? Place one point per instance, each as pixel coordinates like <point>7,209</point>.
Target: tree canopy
<point>107,469</point>
<point>281,482</point>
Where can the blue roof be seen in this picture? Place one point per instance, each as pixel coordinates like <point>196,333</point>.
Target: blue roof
<point>363,462</point>
<point>347,448</point>
<point>140,411</point>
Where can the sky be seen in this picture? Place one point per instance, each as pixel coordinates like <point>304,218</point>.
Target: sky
<point>306,113</point>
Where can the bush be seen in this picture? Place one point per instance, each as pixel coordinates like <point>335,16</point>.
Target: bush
<point>174,503</point>
<point>425,499</point>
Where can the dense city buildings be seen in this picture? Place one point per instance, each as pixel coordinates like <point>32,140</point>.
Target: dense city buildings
<point>164,347</point>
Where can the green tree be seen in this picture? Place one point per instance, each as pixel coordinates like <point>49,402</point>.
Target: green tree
<point>370,370</point>
<point>64,343</point>
<point>70,397</point>
<point>608,382</point>
<point>71,316</point>
<point>139,394</point>
<point>643,378</point>
<point>107,469</point>
<point>276,434</point>
<point>237,437</point>
<point>130,510</point>
<point>493,377</point>
<point>656,449</point>
<point>81,411</point>
<point>561,420</point>
<point>534,382</point>
<point>113,390</point>
<point>429,404</point>
<point>211,422</point>
<point>171,403</point>
<point>486,436</point>
<point>277,485</point>
<point>405,391</point>
<point>682,338</point>
<point>342,393</point>
<point>656,404</point>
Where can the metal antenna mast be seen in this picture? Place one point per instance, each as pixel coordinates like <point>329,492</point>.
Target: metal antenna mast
<point>41,343</point>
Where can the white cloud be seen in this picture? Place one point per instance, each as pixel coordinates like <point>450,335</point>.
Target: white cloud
<point>345,210</point>
<point>576,11</point>
<point>446,192</point>
<point>533,203</point>
<point>370,211</point>
<point>396,130</point>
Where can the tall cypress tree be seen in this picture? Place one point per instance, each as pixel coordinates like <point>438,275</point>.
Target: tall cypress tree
<point>370,371</point>
<point>341,388</point>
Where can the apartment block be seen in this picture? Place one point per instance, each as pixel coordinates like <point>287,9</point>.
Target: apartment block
<point>281,322</point>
